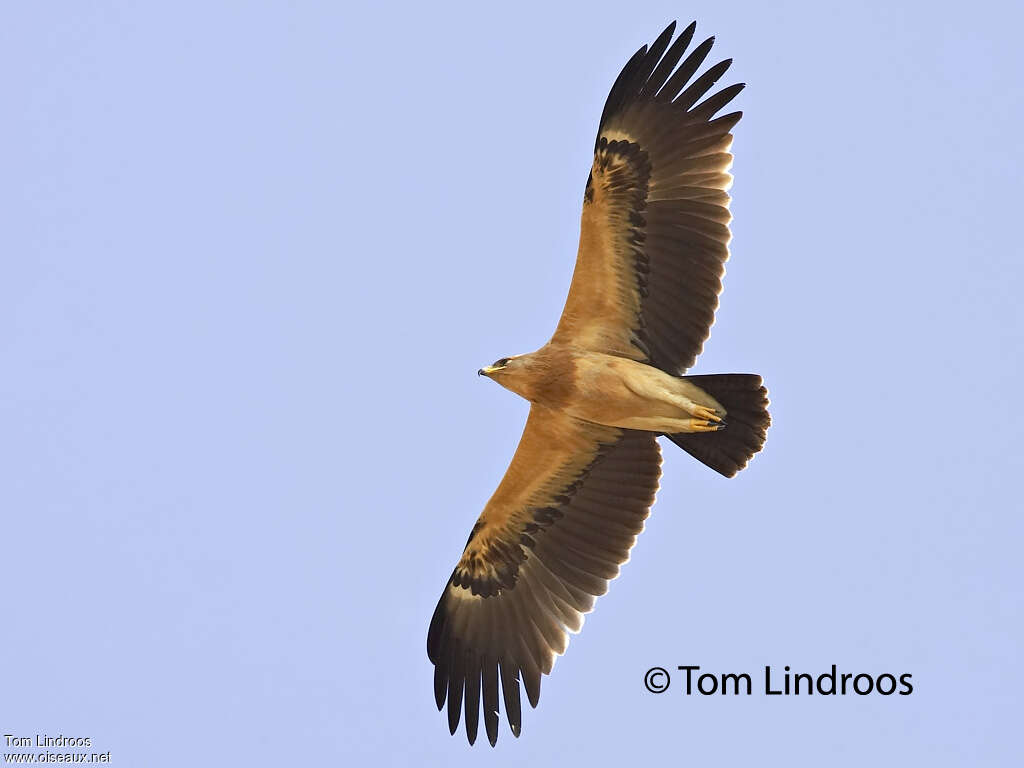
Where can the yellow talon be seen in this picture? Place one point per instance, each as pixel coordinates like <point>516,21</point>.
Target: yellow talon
<point>704,425</point>
<point>705,413</point>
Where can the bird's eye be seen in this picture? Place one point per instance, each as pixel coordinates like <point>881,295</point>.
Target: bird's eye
<point>501,363</point>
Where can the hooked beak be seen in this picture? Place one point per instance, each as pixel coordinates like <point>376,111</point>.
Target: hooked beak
<point>487,370</point>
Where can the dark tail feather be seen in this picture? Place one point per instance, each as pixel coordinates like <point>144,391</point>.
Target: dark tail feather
<point>746,403</point>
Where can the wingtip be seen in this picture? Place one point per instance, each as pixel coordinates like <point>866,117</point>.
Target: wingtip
<point>440,687</point>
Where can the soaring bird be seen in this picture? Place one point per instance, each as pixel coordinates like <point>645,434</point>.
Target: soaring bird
<point>653,242</point>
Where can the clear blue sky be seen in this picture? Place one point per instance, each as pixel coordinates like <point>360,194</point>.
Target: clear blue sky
<point>252,257</point>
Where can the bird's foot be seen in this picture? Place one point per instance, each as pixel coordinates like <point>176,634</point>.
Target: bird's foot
<point>706,425</point>
<point>702,412</point>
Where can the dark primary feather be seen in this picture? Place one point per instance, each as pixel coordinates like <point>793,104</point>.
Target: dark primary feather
<point>668,62</point>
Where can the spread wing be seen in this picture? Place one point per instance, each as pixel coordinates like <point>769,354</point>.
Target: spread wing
<point>655,227</point>
<point>554,533</point>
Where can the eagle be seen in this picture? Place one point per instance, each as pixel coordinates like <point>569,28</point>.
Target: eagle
<point>653,243</point>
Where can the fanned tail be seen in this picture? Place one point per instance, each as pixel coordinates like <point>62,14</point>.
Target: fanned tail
<point>746,403</point>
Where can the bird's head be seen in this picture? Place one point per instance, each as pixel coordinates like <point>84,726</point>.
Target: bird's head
<point>513,373</point>
<point>520,374</point>
<point>500,369</point>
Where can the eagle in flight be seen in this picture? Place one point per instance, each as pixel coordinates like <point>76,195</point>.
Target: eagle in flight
<point>653,242</point>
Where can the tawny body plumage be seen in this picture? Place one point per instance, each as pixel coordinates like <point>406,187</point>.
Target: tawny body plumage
<point>609,390</point>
